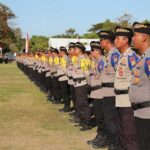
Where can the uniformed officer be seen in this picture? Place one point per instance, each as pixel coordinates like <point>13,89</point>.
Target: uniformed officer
<point>81,79</point>
<point>139,92</point>
<point>108,76</point>
<point>97,65</point>
<point>55,82</point>
<point>72,59</point>
<point>45,70</point>
<point>63,79</point>
<point>127,61</point>
<point>50,94</point>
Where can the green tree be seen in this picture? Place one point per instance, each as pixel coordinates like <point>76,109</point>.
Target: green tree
<point>146,21</point>
<point>92,35</point>
<point>5,15</point>
<point>70,31</point>
<point>38,42</point>
<point>10,38</point>
<point>107,25</point>
<point>125,20</point>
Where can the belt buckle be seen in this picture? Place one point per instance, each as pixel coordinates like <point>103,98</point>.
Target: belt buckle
<point>135,106</point>
<point>117,92</point>
<point>79,81</point>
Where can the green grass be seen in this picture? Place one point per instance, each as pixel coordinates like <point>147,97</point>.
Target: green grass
<point>29,122</point>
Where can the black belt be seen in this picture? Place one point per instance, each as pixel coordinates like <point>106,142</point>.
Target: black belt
<point>53,73</point>
<point>118,92</point>
<point>61,75</point>
<point>78,80</point>
<point>95,87</point>
<point>70,78</point>
<point>140,105</point>
<point>45,71</point>
<point>108,85</point>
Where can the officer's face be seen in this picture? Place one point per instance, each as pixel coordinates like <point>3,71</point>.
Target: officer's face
<point>119,41</point>
<point>49,53</point>
<point>54,54</point>
<point>71,51</point>
<point>60,53</point>
<point>137,40</point>
<point>103,43</point>
<point>77,51</point>
<point>95,53</point>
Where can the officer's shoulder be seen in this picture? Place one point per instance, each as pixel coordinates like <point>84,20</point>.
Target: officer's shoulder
<point>114,50</point>
<point>147,53</point>
<point>115,53</point>
<point>132,56</point>
<point>83,57</point>
<point>131,52</point>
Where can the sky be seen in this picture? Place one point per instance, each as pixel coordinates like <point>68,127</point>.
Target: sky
<point>51,17</point>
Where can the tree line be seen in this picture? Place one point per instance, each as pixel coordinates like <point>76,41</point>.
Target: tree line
<point>11,37</point>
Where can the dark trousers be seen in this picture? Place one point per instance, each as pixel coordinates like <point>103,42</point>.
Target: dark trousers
<point>143,133</point>
<point>43,79</point>
<point>82,104</point>
<point>64,90</point>
<point>72,94</point>
<point>49,86</point>
<point>1,60</point>
<point>99,115</point>
<point>110,114</point>
<point>56,89</point>
<point>126,129</point>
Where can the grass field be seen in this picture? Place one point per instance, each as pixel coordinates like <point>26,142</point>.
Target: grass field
<point>29,122</point>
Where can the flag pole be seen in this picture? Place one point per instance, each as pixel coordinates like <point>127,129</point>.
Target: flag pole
<point>27,44</point>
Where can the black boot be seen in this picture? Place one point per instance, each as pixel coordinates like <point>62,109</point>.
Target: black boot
<point>113,146</point>
<point>97,139</point>
<point>86,126</point>
<point>102,143</point>
<point>75,120</point>
<point>73,114</point>
<point>50,97</point>
<point>113,142</point>
<point>65,109</point>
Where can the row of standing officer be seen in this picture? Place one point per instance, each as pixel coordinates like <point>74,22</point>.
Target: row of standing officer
<point>110,79</point>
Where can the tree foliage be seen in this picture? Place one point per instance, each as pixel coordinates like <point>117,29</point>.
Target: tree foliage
<point>89,35</point>
<point>69,33</point>
<point>125,21</point>
<point>10,38</point>
<point>38,42</point>
<point>106,25</point>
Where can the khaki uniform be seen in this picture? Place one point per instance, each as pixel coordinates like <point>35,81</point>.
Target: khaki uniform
<point>125,119</point>
<point>140,85</point>
<point>123,77</point>
<point>63,82</point>
<point>55,82</point>
<point>80,72</point>
<point>49,66</point>
<point>62,69</point>
<point>95,78</point>
<point>97,66</point>
<point>71,62</point>
<point>81,80</point>
<point>55,66</point>
<point>108,74</point>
